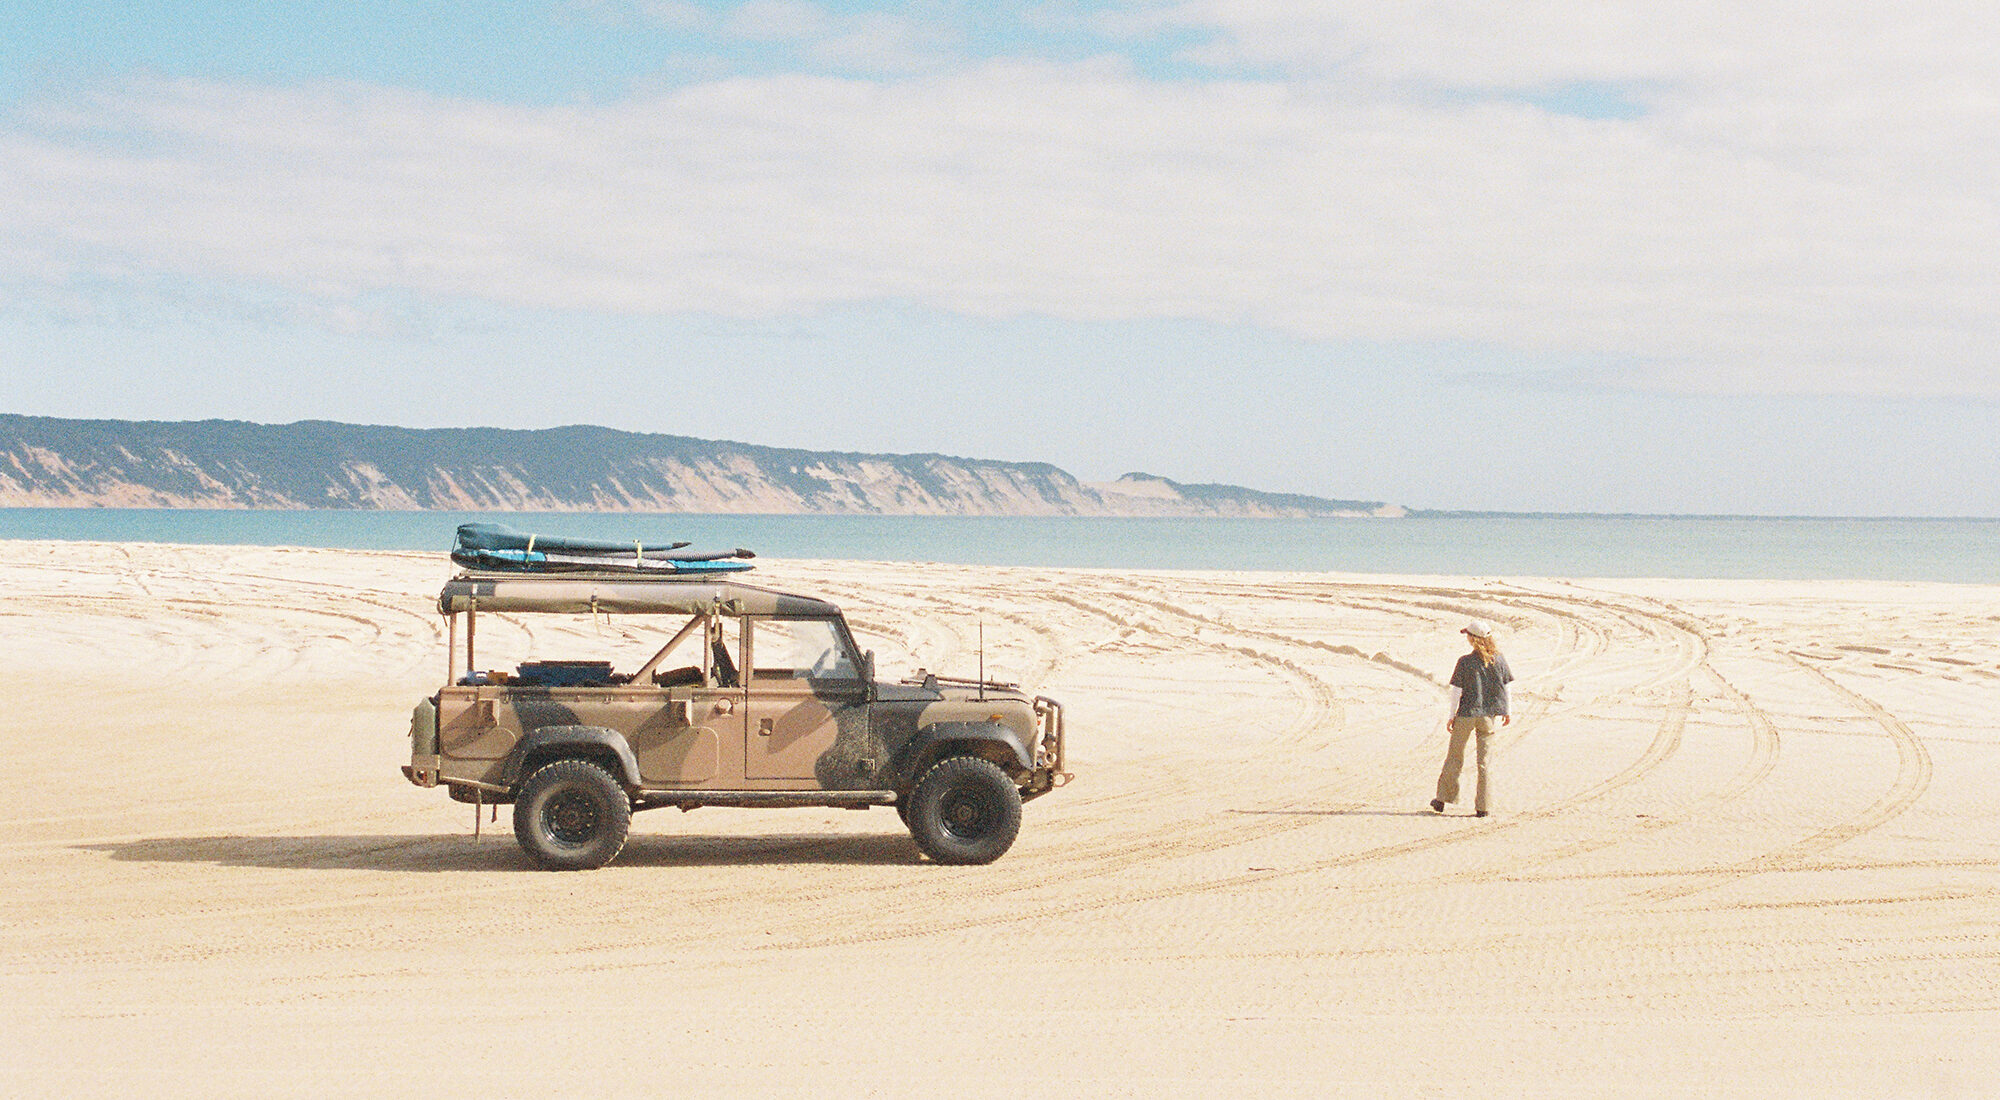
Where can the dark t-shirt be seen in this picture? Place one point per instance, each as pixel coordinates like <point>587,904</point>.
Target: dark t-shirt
<point>1482,687</point>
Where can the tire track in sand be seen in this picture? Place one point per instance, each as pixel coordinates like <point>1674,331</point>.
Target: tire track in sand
<point>1913,777</point>
<point>1764,742</point>
<point>913,909</point>
<point>1665,741</point>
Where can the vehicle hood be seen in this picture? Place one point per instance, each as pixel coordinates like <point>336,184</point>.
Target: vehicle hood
<point>906,693</point>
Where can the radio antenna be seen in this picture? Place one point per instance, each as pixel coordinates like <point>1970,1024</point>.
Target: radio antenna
<point>982,660</point>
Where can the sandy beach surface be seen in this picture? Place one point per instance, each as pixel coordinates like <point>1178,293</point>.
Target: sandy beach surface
<point>1747,842</point>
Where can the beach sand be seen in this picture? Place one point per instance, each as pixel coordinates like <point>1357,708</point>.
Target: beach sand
<point>1745,842</point>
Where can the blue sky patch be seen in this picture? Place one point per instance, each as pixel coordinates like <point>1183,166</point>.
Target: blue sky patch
<point>1591,99</point>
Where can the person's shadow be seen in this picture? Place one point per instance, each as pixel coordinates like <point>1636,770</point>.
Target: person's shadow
<point>498,852</point>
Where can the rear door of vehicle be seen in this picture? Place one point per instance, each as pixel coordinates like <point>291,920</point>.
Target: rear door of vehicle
<point>696,739</point>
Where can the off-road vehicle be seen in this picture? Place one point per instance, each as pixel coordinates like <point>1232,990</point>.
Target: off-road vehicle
<point>755,698</point>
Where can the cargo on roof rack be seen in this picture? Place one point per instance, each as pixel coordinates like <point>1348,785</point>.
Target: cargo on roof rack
<point>497,548</point>
<point>499,536</point>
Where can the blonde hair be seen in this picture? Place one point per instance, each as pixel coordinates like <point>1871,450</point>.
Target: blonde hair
<point>1485,648</point>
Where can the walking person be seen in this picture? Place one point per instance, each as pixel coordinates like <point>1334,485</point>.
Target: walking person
<point>1478,696</point>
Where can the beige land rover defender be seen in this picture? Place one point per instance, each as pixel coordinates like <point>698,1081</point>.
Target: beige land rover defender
<point>753,698</point>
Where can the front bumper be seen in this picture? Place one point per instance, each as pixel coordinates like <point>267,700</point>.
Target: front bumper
<point>1051,750</point>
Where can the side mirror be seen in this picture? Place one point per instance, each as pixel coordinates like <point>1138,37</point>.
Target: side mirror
<point>868,666</point>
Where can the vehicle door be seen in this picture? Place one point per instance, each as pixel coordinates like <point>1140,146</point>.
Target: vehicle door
<point>705,748</point>
<point>805,691</point>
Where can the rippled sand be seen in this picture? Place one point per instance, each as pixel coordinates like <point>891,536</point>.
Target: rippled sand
<point>1746,840</point>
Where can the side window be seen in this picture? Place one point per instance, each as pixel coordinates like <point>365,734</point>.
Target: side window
<point>723,645</point>
<point>800,649</point>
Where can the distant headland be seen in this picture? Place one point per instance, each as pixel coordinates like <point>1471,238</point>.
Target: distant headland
<point>48,462</point>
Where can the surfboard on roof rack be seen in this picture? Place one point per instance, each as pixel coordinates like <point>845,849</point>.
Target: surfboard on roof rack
<point>499,536</point>
<point>536,561</point>
<point>492,547</point>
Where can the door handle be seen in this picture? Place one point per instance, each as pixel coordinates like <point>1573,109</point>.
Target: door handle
<point>764,727</point>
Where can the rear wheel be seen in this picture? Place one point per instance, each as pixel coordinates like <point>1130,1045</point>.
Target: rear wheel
<point>572,816</point>
<point>965,810</point>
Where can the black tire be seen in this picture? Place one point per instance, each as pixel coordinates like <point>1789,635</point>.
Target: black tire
<point>965,810</point>
<point>572,816</point>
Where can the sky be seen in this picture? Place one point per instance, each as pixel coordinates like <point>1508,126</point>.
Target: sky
<point>1663,256</point>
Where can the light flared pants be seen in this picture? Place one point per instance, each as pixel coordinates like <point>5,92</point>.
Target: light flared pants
<point>1454,761</point>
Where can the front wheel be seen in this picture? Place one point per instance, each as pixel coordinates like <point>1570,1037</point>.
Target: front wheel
<point>965,810</point>
<point>572,816</point>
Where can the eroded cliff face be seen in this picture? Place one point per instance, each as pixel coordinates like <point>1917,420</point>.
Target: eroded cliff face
<point>47,462</point>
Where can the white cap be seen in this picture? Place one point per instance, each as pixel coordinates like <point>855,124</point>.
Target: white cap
<point>1477,628</point>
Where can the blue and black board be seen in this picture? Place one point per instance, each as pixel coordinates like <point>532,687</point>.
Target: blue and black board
<point>536,561</point>
<point>491,546</point>
<point>498,536</point>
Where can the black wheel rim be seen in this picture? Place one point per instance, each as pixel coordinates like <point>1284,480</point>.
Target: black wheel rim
<point>967,814</point>
<point>571,817</point>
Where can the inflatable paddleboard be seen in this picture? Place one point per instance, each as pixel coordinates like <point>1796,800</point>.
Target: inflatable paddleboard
<point>497,536</point>
<point>539,561</point>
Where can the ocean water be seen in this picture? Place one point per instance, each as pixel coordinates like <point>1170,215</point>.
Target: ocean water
<point>1956,550</point>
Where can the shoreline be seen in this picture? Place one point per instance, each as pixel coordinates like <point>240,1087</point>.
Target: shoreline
<point>767,566</point>
<point>1937,549</point>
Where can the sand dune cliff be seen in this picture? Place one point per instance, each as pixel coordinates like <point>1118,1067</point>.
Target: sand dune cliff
<point>46,462</point>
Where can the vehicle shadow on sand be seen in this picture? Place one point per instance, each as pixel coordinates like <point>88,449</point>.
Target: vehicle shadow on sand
<point>498,852</point>
<point>1338,813</point>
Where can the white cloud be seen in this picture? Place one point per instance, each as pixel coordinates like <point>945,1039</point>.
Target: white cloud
<point>776,20</point>
<point>1815,217</point>
<point>1480,42</point>
<point>875,43</point>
